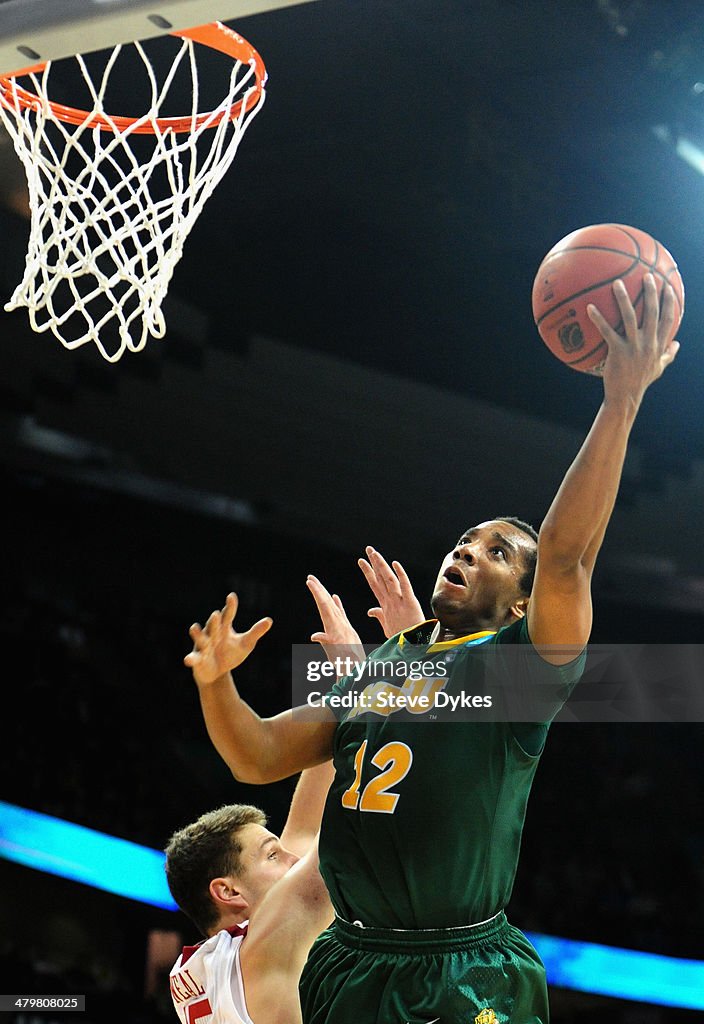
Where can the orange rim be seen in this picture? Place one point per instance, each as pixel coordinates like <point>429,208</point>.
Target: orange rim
<point>217,36</point>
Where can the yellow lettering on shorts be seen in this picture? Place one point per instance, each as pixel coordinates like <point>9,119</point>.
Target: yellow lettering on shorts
<point>486,1016</point>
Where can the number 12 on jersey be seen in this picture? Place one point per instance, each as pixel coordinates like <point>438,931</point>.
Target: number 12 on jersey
<point>394,761</point>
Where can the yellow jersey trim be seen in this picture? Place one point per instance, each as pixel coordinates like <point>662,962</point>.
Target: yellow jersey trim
<point>443,645</point>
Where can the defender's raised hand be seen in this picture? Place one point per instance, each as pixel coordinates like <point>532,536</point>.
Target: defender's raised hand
<point>338,638</point>
<point>217,648</point>
<point>398,607</point>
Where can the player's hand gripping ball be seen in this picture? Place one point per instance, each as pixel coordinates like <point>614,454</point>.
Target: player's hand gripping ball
<point>580,270</point>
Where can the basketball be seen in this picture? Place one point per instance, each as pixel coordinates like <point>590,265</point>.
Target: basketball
<point>581,269</point>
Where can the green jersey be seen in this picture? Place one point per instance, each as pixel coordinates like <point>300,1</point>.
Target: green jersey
<point>423,822</point>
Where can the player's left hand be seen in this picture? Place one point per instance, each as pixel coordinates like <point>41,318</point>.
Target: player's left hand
<point>338,638</point>
<point>398,607</point>
<point>642,354</point>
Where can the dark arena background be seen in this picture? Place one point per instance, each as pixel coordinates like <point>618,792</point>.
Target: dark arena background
<point>351,359</point>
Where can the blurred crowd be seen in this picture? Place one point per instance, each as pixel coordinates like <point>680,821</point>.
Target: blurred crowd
<point>613,848</point>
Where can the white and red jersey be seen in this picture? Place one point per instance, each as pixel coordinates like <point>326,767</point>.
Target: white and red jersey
<point>206,980</point>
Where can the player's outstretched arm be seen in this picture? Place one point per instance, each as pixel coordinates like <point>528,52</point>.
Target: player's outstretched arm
<point>398,607</point>
<point>283,928</point>
<point>306,810</point>
<point>559,610</point>
<point>256,750</point>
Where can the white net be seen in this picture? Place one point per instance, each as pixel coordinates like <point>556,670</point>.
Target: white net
<point>113,199</point>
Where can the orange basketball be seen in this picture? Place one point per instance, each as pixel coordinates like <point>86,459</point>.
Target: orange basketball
<point>580,270</point>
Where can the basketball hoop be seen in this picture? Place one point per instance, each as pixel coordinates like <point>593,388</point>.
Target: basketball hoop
<point>113,198</point>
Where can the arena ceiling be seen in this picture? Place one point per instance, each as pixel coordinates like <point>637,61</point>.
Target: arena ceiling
<point>350,351</point>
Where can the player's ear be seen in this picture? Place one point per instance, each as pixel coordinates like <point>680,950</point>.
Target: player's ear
<point>226,895</point>
<point>519,608</point>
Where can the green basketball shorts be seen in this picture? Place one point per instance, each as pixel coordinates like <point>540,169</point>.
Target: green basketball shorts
<point>482,974</point>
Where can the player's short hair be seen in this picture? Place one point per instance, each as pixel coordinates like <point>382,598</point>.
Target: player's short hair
<point>531,554</point>
<point>206,849</point>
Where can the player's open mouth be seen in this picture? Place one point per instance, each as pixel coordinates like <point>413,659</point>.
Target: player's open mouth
<point>455,577</point>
